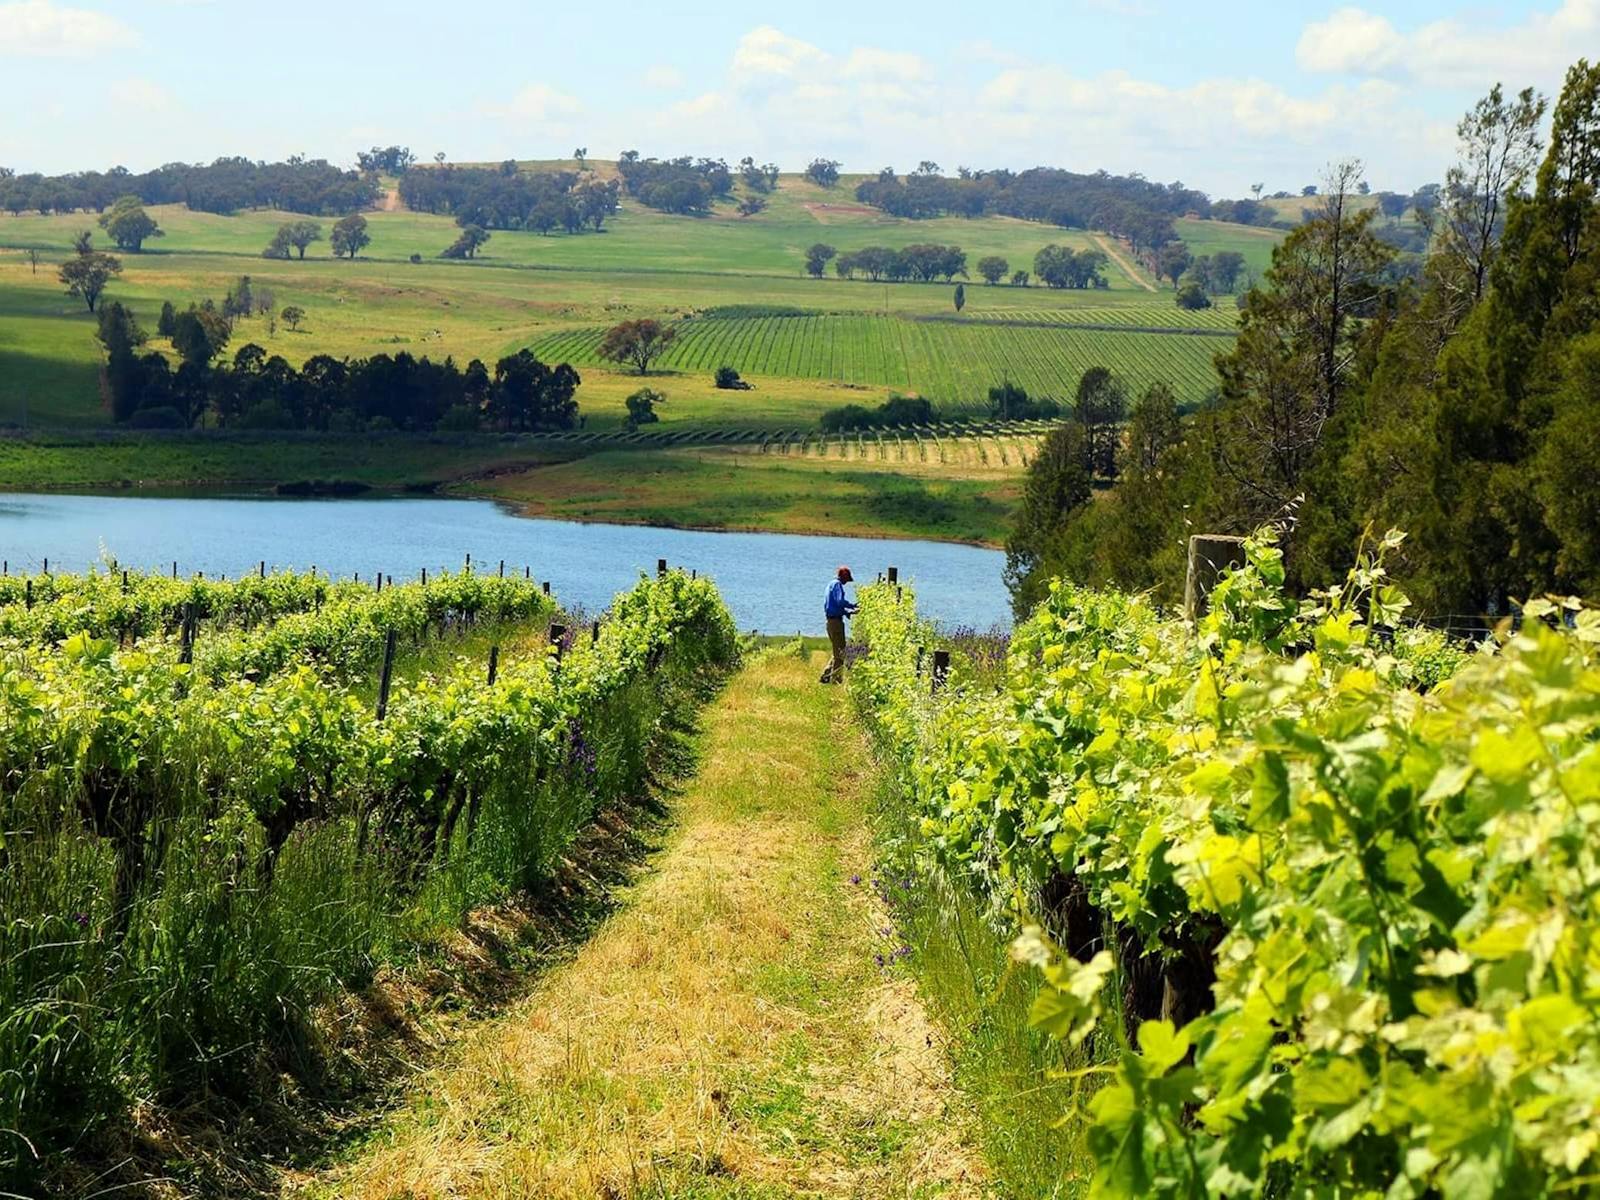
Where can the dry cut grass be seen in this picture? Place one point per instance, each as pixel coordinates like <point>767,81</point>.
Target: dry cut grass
<point>730,1033</point>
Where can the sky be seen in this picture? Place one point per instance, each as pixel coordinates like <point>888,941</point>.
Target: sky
<point>1217,96</point>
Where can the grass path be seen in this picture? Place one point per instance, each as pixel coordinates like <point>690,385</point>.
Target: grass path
<point>729,1033</point>
<point>1109,245</point>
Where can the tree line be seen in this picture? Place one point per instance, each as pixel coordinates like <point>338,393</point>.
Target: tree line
<point>506,197</point>
<point>685,185</point>
<point>1126,205</point>
<point>259,390</point>
<point>1458,403</point>
<point>224,186</point>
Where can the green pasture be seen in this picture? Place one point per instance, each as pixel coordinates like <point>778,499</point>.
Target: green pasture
<point>1211,237</point>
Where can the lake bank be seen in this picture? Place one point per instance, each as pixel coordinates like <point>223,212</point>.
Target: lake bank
<point>701,488</point>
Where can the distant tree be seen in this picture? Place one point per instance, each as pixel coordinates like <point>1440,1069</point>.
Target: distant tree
<point>1019,279</point>
<point>824,172</point>
<point>546,216</point>
<point>1393,205</point>
<point>1192,296</point>
<point>240,300</point>
<point>129,225</point>
<point>993,268</point>
<point>728,380</point>
<point>293,315</point>
<point>350,236</point>
<point>199,334</point>
<point>642,407</point>
<point>33,261</point>
<point>1310,189</point>
<point>1226,267</point>
<point>165,322</point>
<point>581,157</point>
<point>1256,189</point>
<point>637,343</point>
<point>771,171</point>
<point>755,178</point>
<point>817,259</point>
<point>278,247</point>
<point>928,168</point>
<point>960,296</point>
<point>1100,406</point>
<point>88,272</point>
<point>467,245</point>
<point>751,205</point>
<point>1154,427</point>
<point>301,234</point>
<point>596,200</point>
<point>1172,261</point>
<point>527,394</point>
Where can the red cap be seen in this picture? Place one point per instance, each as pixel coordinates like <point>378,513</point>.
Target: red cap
<point>845,576</point>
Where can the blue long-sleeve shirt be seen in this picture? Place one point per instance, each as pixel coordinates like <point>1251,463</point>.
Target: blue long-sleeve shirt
<point>837,605</point>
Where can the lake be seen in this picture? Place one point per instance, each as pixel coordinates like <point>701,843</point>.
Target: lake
<point>773,582</point>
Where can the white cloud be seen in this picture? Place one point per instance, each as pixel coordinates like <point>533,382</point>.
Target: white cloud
<point>1452,53</point>
<point>664,77</point>
<point>44,29</point>
<point>537,103</point>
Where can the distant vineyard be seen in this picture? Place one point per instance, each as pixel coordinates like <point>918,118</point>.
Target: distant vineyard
<point>954,362</point>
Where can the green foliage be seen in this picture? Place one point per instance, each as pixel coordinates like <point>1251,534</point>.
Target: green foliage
<point>350,236</point>
<point>641,407</point>
<point>1392,887</point>
<point>195,858</point>
<point>129,225</point>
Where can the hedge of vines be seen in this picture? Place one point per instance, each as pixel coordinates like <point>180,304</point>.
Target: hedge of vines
<point>190,862</point>
<point>1343,892</point>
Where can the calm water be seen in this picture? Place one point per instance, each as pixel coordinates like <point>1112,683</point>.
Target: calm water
<point>774,583</point>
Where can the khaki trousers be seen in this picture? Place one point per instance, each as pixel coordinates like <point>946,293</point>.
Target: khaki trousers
<point>835,671</point>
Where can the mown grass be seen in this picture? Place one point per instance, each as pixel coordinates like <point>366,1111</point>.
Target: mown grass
<point>731,1032</point>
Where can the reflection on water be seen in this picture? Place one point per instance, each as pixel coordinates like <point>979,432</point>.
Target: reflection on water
<point>774,583</point>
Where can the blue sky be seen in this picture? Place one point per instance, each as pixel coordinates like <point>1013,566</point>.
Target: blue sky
<point>1219,96</point>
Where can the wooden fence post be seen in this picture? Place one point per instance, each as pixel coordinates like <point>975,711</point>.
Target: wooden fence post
<point>1210,554</point>
<point>384,678</point>
<point>941,669</point>
<point>494,664</point>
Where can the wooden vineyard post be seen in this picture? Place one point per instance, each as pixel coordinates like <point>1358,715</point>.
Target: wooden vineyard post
<point>527,573</point>
<point>263,568</point>
<point>494,664</point>
<point>124,582</point>
<point>594,634</point>
<point>191,626</point>
<point>894,574</point>
<point>424,576</point>
<point>27,593</point>
<point>921,652</point>
<point>941,669</point>
<point>388,673</point>
<point>468,567</point>
<point>661,567</point>
<point>545,587</point>
<point>558,637</point>
<point>1210,554</point>
<point>502,568</point>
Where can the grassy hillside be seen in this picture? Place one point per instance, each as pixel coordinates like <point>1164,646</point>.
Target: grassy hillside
<point>526,287</point>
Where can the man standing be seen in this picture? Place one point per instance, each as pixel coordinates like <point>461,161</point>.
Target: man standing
<point>836,609</point>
